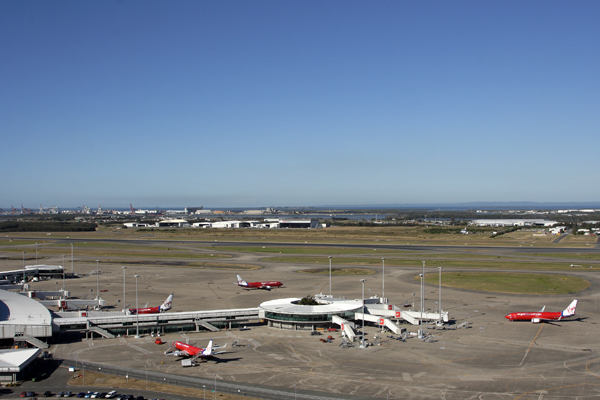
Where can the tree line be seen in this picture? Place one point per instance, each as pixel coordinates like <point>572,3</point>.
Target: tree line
<point>50,226</point>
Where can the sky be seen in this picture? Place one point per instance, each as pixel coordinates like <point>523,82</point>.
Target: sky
<point>298,103</point>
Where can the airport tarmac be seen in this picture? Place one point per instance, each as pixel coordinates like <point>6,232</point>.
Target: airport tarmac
<point>493,358</point>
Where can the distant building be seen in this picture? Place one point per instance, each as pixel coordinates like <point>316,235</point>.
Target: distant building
<point>230,224</point>
<point>513,222</point>
<point>173,223</point>
<point>299,223</point>
<point>268,223</point>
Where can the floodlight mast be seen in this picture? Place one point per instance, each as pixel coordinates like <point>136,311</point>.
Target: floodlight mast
<point>440,295</point>
<point>363,312</point>
<point>421,313</point>
<point>383,277</point>
<point>137,315</point>
<point>330,275</point>
<point>124,292</point>
<point>97,280</point>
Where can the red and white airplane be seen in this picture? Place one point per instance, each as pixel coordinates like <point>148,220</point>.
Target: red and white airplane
<point>166,306</point>
<point>543,316</point>
<point>180,349</point>
<point>257,285</point>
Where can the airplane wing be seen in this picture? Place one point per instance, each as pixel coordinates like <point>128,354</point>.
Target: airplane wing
<point>177,353</point>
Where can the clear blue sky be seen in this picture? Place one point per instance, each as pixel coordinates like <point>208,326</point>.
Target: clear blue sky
<point>298,103</point>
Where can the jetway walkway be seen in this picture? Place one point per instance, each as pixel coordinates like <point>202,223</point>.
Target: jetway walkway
<point>208,326</point>
<point>346,326</point>
<point>32,341</point>
<point>112,323</point>
<point>100,331</point>
<point>412,317</point>
<point>381,321</point>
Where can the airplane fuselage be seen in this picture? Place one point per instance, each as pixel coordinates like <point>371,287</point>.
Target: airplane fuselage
<point>187,348</point>
<point>263,285</point>
<point>528,316</point>
<point>147,310</point>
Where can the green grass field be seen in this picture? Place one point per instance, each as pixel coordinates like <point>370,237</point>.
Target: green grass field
<point>338,271</point>
<point>516,283</point>
<point>192,248</point>
<point>490,263</point>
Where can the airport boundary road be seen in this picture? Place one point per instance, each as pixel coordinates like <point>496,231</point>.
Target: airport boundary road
<point>382,246</point>
<point>240,389</point>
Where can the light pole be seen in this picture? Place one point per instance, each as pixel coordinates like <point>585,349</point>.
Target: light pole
<point>204,387</point>
<point>413,303</point>
<point>72,271</point>
<point>383,277</point>
<point>137,316</point>
<point>145,366</point>
<point>36,258</point>
<point>329,274</point>
<point>421,313</point>
<point>124,304</point>
<point>423,292</point>
<point>295,384</point>
<point>63,273</point>
<point>215,375</point>
<point>363,312</point>
<point>440,294</point>
<point>23,271</point>
<point>97,280</point>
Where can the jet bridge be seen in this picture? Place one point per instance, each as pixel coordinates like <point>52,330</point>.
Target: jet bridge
<point>381,322</point>
<point>346,326</point>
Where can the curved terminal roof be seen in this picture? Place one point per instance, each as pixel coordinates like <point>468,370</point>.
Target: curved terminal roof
<point>19,309</point>
<point>327,306</point>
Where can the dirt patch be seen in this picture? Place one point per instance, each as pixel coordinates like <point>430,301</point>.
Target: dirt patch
<point>104,380</point>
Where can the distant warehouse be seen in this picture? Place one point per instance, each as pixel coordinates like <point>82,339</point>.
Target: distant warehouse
<point>513,222</point>
<point>269,223</point>
<point>299,223</point>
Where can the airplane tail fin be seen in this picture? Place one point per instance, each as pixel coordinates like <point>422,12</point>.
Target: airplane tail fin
<point>166,306</point>
<point>570,311</point>
<point>241,282</point>
<point>208,350</point>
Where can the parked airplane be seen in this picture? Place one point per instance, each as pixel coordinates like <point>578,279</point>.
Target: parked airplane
<point>187,350</point>
<point>258,285</point>
<point>166,306</point>
<point>543,316</point>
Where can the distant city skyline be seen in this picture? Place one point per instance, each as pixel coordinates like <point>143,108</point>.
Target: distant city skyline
<point>440,206</point>
<point>252,104</point>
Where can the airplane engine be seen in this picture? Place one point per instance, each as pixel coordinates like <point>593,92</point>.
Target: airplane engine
<point>176,353</point>
<point>535,320</point>
<point>268,287</point>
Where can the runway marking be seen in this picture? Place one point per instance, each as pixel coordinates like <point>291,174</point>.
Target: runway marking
<point>133,346</point>
<point>531,344</point>
<point>555,388</point>
<point>588,370</point>
<point>383,389</point>
<point>217,296</point>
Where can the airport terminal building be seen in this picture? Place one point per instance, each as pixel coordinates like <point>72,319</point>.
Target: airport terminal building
<point>288,314</point>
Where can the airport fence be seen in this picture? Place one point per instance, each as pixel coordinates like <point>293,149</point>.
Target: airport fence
<point>209,385</point>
